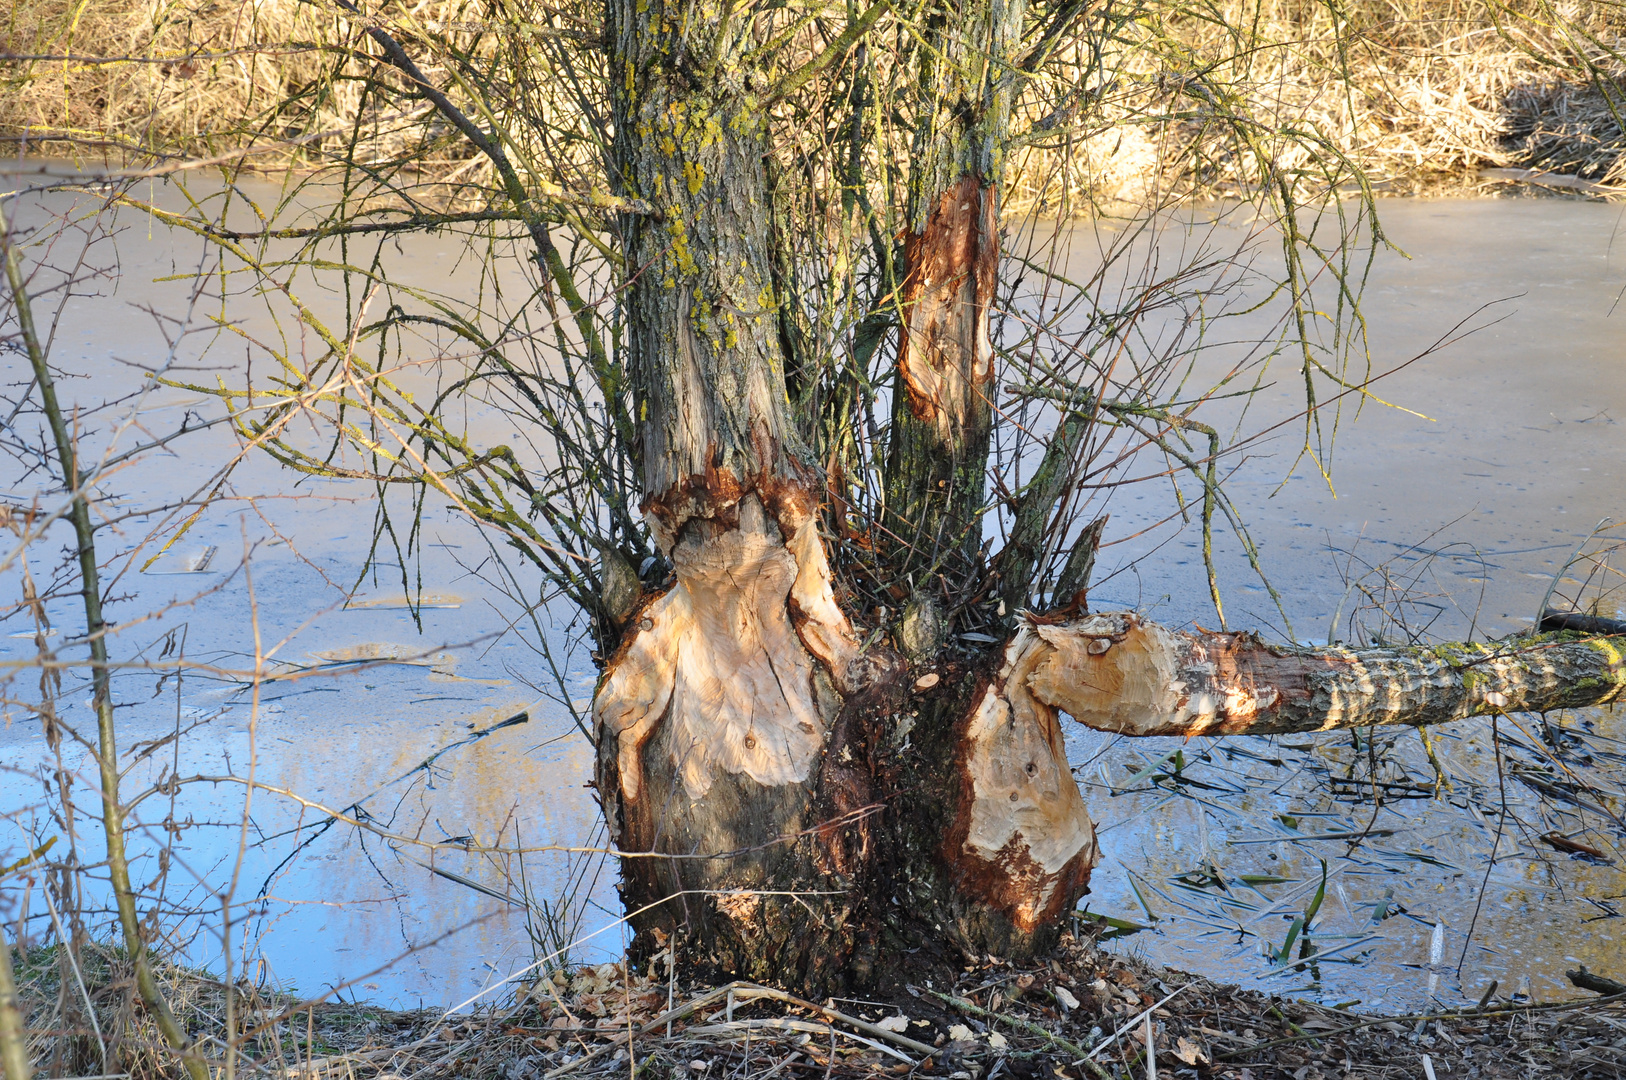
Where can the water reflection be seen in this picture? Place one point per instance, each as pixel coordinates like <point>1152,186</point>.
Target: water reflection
<point>1222,851</point>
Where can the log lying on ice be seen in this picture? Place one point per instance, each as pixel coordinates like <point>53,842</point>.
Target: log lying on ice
<point>1581,623</point>
<point>1117,672</point>
<point>1022,841</point>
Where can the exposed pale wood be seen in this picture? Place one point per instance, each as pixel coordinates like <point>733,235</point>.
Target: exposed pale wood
<point>942,419</point>
<point>1117,672</point>
<point>945,359</point>
<point>1026,842</point>
<point>718,660</point>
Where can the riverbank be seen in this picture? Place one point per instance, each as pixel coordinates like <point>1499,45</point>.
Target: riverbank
<point>1081,1012</point>
<point>1412,96</point>
<point>1489,499</point>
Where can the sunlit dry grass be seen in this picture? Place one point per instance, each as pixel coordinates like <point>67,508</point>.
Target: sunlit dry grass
<point>1412,94</point>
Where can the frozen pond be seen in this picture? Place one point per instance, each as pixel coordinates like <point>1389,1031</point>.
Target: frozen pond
<point>1215,850</point>
<point>1475,508</point>
<point>362,694</point>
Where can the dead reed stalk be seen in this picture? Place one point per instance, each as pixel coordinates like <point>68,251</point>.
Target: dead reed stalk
<point>13,1037</point>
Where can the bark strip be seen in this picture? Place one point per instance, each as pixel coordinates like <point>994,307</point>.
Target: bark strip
<point>1118,672</point>
<point>945,358</point>
<point>943,420</point>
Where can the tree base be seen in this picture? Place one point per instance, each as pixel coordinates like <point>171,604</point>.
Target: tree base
<point>795,811</point>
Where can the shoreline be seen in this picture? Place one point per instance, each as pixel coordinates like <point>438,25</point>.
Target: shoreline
<point>1078,1012</point>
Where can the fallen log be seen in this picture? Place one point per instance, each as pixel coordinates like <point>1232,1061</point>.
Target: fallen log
<point>1582,624</point>
<point>1117,672</point>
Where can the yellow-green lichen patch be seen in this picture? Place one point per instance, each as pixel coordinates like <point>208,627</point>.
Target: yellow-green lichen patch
<point>1608,649</point>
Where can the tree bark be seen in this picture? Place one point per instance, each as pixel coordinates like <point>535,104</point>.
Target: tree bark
<point>942,415</point>
<point>714,710</point>
<point>783,799</point>
<point>801,807</point>
<point>1118,672</point>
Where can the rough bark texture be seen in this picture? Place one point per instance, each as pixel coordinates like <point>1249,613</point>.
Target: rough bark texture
<point>802,809</point>
<point>942,416</point>
<point>1117,672</point>
<point>787,802</point>
<point>714,713</point>
<point>968,81</point>
<point>942,413</point>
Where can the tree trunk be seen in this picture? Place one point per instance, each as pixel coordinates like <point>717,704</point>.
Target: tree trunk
<point>1118,672</point>
<point>942,415</point>
<point>784,800</point>
<point>716,707</point>
<point>807,810</point>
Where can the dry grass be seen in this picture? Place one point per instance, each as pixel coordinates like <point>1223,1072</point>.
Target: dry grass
<point>187,74</point>
<point>285,81</point>
<point>1080,1013</point>
<point>59,990</point>
<point>1414,94</point>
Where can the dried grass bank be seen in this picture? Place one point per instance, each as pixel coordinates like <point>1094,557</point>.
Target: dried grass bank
<point>1154,99</point>
<point>1415,96</point>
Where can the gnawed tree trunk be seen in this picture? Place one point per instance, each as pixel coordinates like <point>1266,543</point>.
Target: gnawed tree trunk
<point>716,708</point>
<point>1118,672</point>
<point>784,800</point>
<point>790,796</point>
<point>942,415</point>
<point>979,840</point>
